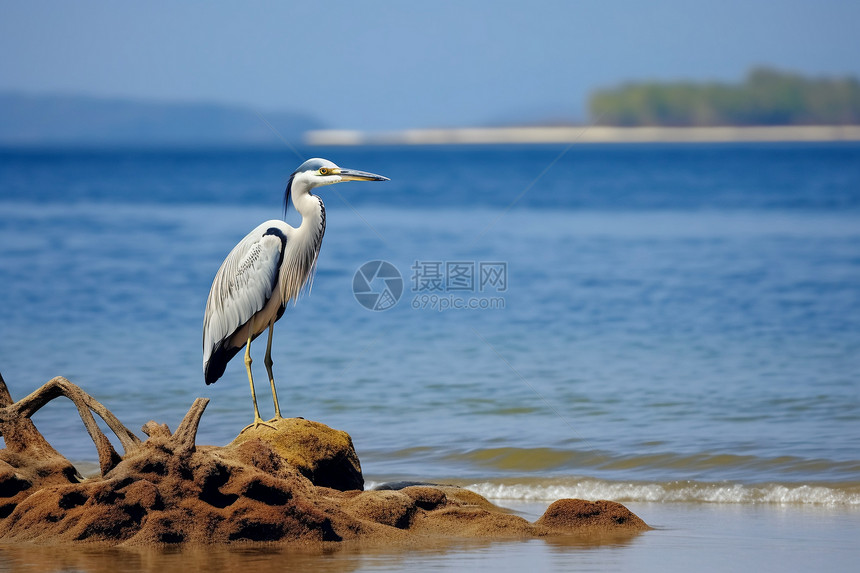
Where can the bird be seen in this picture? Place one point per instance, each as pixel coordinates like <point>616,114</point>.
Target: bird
<point>266,270</point>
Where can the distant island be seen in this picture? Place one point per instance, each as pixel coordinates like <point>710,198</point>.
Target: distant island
<point>37,119</point>
<point>767,97</point>
<point>768,106</point>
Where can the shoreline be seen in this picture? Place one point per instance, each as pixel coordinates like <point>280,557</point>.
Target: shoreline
<point>586,135</point>
<point>719,538</point>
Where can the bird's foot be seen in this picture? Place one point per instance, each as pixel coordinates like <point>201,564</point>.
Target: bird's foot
<point>276,419</point>
<point>256,424</point>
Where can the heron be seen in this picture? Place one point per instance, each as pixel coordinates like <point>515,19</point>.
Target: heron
<point>269,268</point>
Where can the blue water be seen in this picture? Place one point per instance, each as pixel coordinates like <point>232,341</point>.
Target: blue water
<point>678,323</point>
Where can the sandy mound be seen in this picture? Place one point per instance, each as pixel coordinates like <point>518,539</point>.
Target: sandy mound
<point>298,482</point>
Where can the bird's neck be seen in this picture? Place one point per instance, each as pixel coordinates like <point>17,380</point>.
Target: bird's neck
<point>312,210</point>
<point>303,246</point>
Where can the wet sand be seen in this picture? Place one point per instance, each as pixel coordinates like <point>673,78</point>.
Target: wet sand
<point>701,537</point>
<point>589,134</point>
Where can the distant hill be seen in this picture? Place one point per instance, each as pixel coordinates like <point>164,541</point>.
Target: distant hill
<point>766,97</point>
<point>61,119</point>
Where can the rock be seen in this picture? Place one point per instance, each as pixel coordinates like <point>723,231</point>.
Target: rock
<point>28,462</point>
<point>299,482</point>
<point>392,508</point>
<point>247,492</point>
<point>323,455</point>
<point>22,475</point>
<point>428,498</point>
<point>581,516</point>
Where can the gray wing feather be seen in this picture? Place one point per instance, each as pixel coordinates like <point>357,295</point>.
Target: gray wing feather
<point>242,287</point>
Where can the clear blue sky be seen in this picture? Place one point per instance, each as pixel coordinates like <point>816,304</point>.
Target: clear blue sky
<point>389,65</point>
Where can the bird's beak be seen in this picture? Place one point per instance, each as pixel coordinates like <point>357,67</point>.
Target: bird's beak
<point>353,175</point>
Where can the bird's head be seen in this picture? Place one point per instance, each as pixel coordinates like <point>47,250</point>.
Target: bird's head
<point>317,172</point>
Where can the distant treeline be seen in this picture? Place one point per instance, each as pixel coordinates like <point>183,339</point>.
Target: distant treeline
<point>766,97</point>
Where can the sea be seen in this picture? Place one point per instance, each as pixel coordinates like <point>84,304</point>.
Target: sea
<point>673,327</point>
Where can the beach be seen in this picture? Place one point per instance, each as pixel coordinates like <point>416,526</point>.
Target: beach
<point>589,134</point>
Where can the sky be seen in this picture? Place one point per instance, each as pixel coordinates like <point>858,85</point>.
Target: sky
<point>385,65</point>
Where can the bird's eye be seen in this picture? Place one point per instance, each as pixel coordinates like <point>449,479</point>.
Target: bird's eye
<point>323,170</point>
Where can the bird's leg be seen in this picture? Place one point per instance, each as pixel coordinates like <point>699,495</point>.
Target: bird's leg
<point>268,361</point>
<point>258,421</point>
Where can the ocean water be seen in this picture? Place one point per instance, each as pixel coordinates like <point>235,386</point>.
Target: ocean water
<point>649,324</point>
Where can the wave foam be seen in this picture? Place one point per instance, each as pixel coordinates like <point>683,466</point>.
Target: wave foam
<point>690,492</point>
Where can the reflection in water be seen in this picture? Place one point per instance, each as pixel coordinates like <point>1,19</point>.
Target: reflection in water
<point>22,558</point>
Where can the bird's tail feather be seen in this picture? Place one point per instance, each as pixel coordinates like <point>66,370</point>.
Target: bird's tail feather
<point>214,368</point>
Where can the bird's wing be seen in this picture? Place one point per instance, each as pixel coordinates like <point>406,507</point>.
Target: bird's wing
<point>242,286</point>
